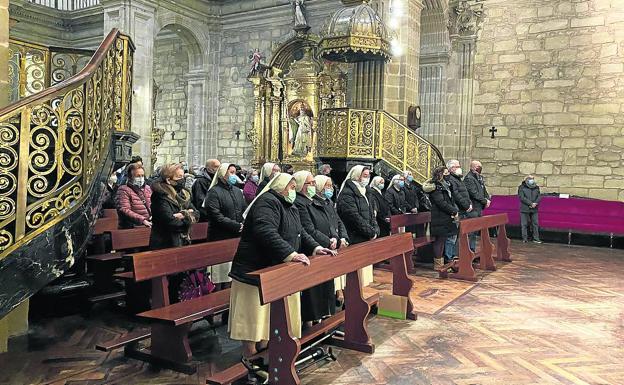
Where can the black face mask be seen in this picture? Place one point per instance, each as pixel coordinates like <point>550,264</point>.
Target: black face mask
<point>478,169</point>
<point>178,186</point>
<point>447,177</point>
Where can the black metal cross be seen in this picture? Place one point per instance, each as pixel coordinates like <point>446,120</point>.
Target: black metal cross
<point>493,131</point>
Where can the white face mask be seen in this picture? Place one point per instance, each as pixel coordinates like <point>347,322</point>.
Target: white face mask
<point>138,181</point>
<point>458,171</point>
<point>364,182</point>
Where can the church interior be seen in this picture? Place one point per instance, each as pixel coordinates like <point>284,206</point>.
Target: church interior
<point>471,117</point>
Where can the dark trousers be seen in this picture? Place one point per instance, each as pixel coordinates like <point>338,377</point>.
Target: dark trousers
<point>525,220</point>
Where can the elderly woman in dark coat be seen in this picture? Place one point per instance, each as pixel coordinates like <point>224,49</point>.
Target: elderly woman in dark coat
<point>272,234</point>
<point>444,213</point>
<point>395,196</point>
<point>224,205</point>
<point>380,205</point>
<point>357,212</point>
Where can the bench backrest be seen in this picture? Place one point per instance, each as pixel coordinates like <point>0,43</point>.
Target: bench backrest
<point>159,263</point>
<point>470,225</point>
<point>103,225</point>
<point>139,236</point>
<point>404,220</point>
<point>324,268</point>
<point>109,213</point>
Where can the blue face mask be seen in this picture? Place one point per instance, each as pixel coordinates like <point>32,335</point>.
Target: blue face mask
<point>255,178</point>
<point>232,179</point>
<point>410,178</point>
<point>401,184</point>
<point>329,193</point>
<point>531,182</point>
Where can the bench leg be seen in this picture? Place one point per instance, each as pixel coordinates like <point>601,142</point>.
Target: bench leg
<point>502,245</point>
<point>170,347</point>
<point>283,347</point>
<point>486,262</point>
<point>464,265</point>
<point>401,283</point>
<point>356,310</point>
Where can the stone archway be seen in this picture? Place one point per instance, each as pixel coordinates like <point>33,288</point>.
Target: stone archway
<point>178,94</point>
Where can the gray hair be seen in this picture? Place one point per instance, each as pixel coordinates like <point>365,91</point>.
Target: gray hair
<point>451,163</point>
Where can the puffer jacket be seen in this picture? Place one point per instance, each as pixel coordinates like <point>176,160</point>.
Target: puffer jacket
<point>133,205</point>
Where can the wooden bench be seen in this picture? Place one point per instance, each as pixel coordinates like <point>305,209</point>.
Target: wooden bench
<point>170,323</point>
<point>110,213</point>
<point>283,349</point>
<point>398,223</point>
<point>464,265</point>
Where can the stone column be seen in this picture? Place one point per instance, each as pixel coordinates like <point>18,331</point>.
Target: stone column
<point>136,19</point>
<point>198,133</point>
<point>401,75</point>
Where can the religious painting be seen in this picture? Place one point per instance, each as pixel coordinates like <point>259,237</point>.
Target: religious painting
<point>299,128</point>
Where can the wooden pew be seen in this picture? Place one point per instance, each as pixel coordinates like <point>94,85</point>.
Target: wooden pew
<point>170,323</point>
<point>283,348</point>
<point>398,224</point>
<point>110,213</point>
<point>463,265</point>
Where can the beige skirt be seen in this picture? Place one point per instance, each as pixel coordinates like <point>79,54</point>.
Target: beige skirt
<point>366,277</point>
<point>219,273</point>
<point>249,320</point>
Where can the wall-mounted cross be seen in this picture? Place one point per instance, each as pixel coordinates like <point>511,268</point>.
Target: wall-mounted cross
<point>493,131</point>
<point>237,133</point>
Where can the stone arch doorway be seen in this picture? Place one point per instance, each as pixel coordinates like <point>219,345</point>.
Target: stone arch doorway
<point>177,105</point>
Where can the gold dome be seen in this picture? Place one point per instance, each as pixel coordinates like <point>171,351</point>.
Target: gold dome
<point>355,33</point>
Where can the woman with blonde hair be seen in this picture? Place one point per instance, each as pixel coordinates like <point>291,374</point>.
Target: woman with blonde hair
<point>272,234</point>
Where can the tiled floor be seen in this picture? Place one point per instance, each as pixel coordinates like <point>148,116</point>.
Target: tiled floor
<point>553,316</point>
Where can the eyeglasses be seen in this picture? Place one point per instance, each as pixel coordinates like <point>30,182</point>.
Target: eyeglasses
<point>313,183</point>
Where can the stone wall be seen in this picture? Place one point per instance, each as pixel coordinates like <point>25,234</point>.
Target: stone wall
<point>550,76</point>
<point>171,64</point>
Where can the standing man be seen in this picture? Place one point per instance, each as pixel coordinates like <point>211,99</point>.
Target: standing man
<point>461,198</point>
<point>529,194</point>
<point>201,186</point>
<point>411,192</point>
<point>479,196</point>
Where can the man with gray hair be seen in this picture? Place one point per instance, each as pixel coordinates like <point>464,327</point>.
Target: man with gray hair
<point>461,199</point>
<point>479,196</point>
<point>201,186</point>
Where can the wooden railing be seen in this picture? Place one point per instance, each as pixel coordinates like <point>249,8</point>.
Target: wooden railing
<point>374,134</point>
<point>53,143</point>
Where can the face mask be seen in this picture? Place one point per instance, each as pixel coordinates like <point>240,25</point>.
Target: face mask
<point>138,181</point>
<point>291,196</point>
<point>380,186</point>
<point>329,193</point>
<point>232,179</point>
<point>112,180</point>
<point>458,171</point>
<point>311,191</point>
<point>446,177</point>
<point>479,169</point>
<point>401,184</point>
<point>531,182</point>
<point>364,182</point>
<point>410,178</point>
<point>255,178</point>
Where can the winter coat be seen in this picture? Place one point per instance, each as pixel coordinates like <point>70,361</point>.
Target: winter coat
<point>263,183</point>
<point>381,210</point>
<point>442,209</point>
<point>396,201</point>
<point>168,231</point>
<point>133,205</point>
<point>357,214</point>
<point>413,193</point>
<point>199,191</point>
<point>460,193</point>
<point>224,205</point>
<point>324,222</point>
<point>528,195</point>
<point>271,233</point>
<point>250,190</point>
<point>477,192</point>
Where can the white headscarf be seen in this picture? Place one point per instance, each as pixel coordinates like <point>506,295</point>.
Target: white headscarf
<point>221,171</point>
<point>354,174</point>
<point>267,170</point>
<point>321,181</point>
<point>278,184</point>
<point>375,181</point>
<point>300,178</point>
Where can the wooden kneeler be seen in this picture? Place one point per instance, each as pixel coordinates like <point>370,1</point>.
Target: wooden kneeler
<point>283,347</point>
<point>464,266</point>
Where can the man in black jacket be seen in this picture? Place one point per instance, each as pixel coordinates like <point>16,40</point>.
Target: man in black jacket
<point>460,196</point>
<point>529,194</point>
<point>479,196</point>
<point>201,186</point>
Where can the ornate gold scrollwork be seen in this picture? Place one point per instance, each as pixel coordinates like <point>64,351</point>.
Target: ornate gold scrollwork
<point>54,145</point>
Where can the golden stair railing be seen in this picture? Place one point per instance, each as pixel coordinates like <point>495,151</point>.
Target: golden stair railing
<point>34,67</point>
<point>54,143</point>
<point>350,133</point>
